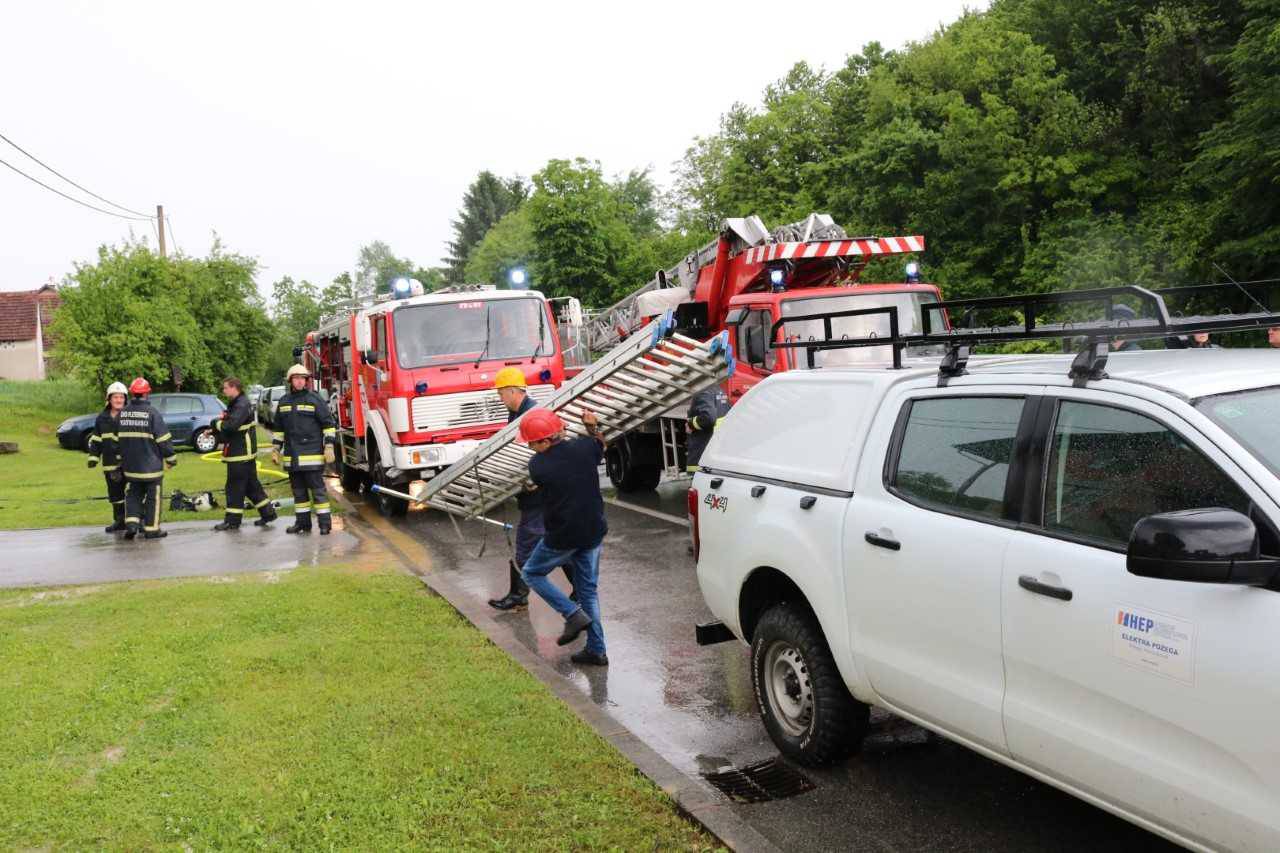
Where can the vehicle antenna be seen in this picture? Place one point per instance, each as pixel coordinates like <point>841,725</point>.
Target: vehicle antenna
<point>1261,307</point>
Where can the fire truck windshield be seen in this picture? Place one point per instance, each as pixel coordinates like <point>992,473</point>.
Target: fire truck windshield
<point>908,305</point>
<point>456,332</point>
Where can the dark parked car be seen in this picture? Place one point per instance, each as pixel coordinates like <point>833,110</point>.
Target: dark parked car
<point>190,419</point>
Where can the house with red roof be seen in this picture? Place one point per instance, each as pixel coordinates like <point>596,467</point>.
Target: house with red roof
<point>25,316</point>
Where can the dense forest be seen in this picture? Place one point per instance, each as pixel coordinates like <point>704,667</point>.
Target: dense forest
<point>1040,144</point>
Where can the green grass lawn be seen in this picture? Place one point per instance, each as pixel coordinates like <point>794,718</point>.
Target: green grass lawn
<point>333,708</point>
<point>45,486</point>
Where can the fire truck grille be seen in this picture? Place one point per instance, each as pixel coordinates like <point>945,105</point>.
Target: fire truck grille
<point>467,409</point>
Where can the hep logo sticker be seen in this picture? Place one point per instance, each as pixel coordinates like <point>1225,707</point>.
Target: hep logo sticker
<point>719,503</point>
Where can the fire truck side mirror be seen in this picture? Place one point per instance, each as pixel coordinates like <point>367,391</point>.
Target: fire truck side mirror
<point>371,356</point>
<point>297,353</point>
<point>363,334</point>
<point>755,345</point>
<point>572,313</point>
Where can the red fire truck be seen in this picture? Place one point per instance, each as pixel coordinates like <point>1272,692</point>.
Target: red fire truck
<point>752,282</point>
<point>410,377</point>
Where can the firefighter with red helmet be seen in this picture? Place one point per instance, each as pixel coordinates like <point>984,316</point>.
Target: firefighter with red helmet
<point>104,449</point>
<point>565,472</point>
<point>145,451</point>
<point>303,444</point>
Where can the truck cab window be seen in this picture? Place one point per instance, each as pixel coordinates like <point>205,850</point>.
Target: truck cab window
<point>955,453</point>
<point>1110,467</point>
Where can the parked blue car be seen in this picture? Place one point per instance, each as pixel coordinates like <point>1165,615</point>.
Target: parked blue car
<point>189,417</point>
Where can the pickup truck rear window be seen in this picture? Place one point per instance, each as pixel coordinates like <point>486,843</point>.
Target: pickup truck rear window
<point>955,453</point>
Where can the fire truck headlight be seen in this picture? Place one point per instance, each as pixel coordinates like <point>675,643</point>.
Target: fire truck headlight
<point>913,271</point>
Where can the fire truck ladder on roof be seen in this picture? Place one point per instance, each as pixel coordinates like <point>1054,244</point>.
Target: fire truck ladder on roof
<point>650,373</point>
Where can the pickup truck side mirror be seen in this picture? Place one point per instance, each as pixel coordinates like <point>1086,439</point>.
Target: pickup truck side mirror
<point>371,356</point>
<point>755,345</point>
<point>1211,545</point>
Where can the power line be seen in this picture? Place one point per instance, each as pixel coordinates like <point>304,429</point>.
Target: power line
<point>68,180</point>
<point>70,198</point>
<point>169,222</point>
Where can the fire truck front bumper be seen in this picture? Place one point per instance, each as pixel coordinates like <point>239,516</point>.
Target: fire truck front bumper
<point>427,459</point>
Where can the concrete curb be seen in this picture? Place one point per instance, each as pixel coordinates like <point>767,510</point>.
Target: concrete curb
<point>692,796</point>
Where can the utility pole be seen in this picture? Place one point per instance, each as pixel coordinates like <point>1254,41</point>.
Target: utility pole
<point>160,224</point>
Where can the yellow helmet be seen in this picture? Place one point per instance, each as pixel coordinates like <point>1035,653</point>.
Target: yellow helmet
<point>296,370</point>
<point>509,377</point>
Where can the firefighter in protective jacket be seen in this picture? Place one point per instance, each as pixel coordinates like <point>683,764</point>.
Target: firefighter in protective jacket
<point>706,409</point>
<point>104,449</point>
<point>239,430</point>
<point>145,451</point>
<point>303,445</point>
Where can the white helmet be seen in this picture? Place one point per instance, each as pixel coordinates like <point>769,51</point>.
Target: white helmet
<point>117,388</point>
<point>297,370</point>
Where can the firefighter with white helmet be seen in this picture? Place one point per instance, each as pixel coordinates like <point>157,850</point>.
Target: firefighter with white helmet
<point>303,444</point>
<point>104,449</point>
<point>146,449</point>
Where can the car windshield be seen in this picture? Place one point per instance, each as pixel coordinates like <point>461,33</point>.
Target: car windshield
<point>455,332</point>
<point>1250,417</point>
<point>873,325</point>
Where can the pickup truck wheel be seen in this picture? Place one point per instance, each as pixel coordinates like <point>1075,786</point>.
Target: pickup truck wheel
<point>803,701</point>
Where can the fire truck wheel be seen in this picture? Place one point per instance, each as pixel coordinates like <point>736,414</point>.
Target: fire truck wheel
<point>389,506</point>
<point>626,475</point>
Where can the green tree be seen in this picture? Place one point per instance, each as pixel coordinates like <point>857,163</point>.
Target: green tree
<point>584,242</point>
<point>485,203</point>
<point>507,245</point>
<point>377,266</point>
<point>133,313</point>
<point>296,310</point>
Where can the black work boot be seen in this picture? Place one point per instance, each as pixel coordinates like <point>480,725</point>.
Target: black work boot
<point>589,658</point>
<point>116,527</point>
<point>155,534</point>
<point>510,601</point>
<point>326,527</point>
<point>578,622</point>
<point>298,527</point>
<point>268,515</point>
<point>117,519</point>
<point>130,531</point>
<point>227,525</point>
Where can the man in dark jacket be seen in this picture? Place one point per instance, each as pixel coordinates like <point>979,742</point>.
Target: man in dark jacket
<point>145,451</point>
<point>303,444</point>
<point>104,448</point>
<point>512,389</point>
<point>239,429</point>
<point>706,409</point>
<point>565,472</point>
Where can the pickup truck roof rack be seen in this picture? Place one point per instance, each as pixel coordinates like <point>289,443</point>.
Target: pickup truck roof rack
<point>1154,320</point>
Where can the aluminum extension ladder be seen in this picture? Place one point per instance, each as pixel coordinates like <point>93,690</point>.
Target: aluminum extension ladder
<point>652,372</point>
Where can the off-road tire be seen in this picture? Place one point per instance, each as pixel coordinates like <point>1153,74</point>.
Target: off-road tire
<point>837,722</point>
<point>627,476</point>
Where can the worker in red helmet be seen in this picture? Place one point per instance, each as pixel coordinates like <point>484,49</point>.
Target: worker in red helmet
<point>565,470</point>
<point>146,450</point>
<point>513,390</point>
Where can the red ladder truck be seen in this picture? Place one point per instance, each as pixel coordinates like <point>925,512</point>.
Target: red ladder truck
<point>747,281</point>
<point>410,376</point>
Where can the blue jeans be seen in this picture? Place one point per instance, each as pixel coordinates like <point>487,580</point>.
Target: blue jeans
<point>586,572</point>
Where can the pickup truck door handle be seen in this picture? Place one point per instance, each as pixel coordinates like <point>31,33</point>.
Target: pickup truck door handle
<point>881,542</point>
<point>757,491</point>
<point>1030,584</point>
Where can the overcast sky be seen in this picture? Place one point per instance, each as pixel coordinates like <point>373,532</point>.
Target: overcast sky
<point>299,131</point>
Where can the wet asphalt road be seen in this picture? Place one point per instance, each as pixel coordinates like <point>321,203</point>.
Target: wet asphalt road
<point>78,555</point>
<point>906,790</point>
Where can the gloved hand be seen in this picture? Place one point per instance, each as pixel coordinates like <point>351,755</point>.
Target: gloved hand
<point>172,462</point>
<point>329,456</point>
<point>275,456</point>
<point>92,462</point>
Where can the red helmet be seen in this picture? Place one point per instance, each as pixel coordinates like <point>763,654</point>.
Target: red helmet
<point>537,424</point>
<point>139,387</point>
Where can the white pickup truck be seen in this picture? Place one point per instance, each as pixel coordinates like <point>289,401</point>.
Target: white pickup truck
<point>1077,579</point>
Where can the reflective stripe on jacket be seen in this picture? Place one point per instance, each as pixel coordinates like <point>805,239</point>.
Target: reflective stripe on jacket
<point>103,443</point>
<point>239,431</point>
<point>144,441</point>
<point>304,425</point>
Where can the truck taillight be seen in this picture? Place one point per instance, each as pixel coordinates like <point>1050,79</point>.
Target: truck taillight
<point>693,523</point>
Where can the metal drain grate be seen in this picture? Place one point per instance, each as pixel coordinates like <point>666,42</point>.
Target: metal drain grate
<point>761,782</point>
